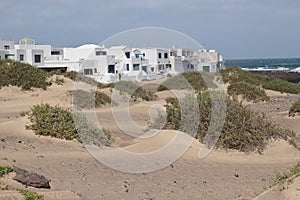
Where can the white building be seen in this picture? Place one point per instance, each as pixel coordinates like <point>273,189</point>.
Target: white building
<point>210,60</point>
<point>130,64</point>
<point>114,63</point>
<point>7,49</point>
<point>158,60</point>
<point>28,52</point>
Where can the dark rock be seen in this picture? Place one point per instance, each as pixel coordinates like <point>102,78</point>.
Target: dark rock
<point>31,179</point>
<point>236,175</point>
<point>127,190</point>
<point>2,140</point>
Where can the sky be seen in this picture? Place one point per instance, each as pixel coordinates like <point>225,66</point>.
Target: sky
<point>235,28</point>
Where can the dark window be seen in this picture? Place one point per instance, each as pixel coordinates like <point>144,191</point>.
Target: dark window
<point>159,55</point>
<point>144,68</point>
<point>88,72</point>
<point>161,67</point>
<point>21,57</point>
<point>95,70</point>
<point>166,55</point>
<point>55,52</point>
<point>127,54</point>
<point>6,46</point>
<point>168,66</point>
<point>136,67</point>
<point>127,67</point>
<point>37,58</point>
<point>206,68</point>
<point>111,69</point>
<point>192,66</point>
<point>100,53</point>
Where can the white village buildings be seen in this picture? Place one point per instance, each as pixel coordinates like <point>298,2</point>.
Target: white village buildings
<point>111,64</point>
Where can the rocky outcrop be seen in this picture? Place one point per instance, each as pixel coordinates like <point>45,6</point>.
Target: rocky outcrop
<point>31,179</point>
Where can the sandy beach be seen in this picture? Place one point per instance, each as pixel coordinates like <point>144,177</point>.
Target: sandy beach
<point>75,174</point>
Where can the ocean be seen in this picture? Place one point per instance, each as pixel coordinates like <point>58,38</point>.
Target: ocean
<point>277,64</point>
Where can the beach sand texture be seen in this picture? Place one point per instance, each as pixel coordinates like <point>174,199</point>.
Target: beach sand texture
<point>75,174</point>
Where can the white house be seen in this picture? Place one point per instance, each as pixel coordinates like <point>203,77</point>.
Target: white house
<point>28,52</point>
<point>130,64</point>
<point>158,60</point>
<point>7,49</point>
<point>210,60</point>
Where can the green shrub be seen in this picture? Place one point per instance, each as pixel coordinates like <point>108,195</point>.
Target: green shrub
<point>135,90</point>
<point>28,195</point>
<point>84,99</point>
<point>286,177</point>
<point>198,81</point>
<point>236,74</point>
<point>5,170</point>
<point>243,130</point>
<point>295,108</point>
<point>105,85</point>
<point>61,123</point>
<point>247,91</point>
<point>22,75</point>
<point>59,81</point>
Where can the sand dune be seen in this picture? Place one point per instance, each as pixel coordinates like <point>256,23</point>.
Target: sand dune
<point>73,171</point>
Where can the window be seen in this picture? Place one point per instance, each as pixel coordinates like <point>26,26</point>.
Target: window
<point>161,67</point>
<point>95,70</point>
<point>127,67</point>
<point>136,67</point>
<point>192,66</point>
<point>168,66</point>
<point>37,58</point>
<point>188,65</point>
<point>127,54</point>
<point>206,68</point>
<point>88,72</point>
<point>159,55</point>
<point>144,68</point>
<point>55,52</point>
<point>111,69</point>
<point>6,46</point>
<point>166,55</point>
<point>21,57</point>
<point>100,53</point>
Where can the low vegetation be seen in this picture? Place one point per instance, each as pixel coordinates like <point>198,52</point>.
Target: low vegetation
<point>22,75</point>
<point>28,195</point>
<point>105,85</point>
<point>135,91</point>
<point>286,178</point>
<point>79,77</point>
<point>244,129</point>
<point>62,123</point>
<point>295,108</point>
<point>189,80</point>
<point>236,74</point>
<point>5,170</point>
<point>84,99</point>
<point>247,92</point>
